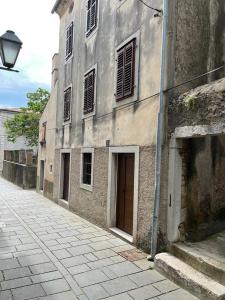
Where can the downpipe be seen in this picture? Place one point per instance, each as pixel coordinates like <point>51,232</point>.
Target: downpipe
<point>160,133</point>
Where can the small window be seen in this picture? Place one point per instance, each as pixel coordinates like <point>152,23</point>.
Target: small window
<point>43,134</point>
<point>89,92</point>
<point>92,12</point>
<point>69,41</point>
<point>125,71</point>
<point>51,168</point>
<point>67,104</point>
<point>87,168</point>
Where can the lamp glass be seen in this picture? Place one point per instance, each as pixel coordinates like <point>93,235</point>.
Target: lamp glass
<point>10,51</point>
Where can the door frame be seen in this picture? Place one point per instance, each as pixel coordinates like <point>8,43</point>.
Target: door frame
<point>61,175</point>
<point>112,189</point>
<point>42,175</point>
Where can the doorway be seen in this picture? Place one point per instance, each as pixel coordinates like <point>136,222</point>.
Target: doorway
<point>66,175</point>
<point>42,172</point>
<point>125,192</point>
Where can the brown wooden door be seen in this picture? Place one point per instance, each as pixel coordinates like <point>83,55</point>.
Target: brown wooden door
<point>66,178</point>
<point>125,192</point>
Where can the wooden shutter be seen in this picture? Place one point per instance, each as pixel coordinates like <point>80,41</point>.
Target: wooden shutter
<point>89,92</point>
<point>67,103</point>
<point>125,71</point>
<point>69,41</point>
<point>120,74</point>
<point>92,11</point>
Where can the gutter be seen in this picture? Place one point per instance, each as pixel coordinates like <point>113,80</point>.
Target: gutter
<point>55,7</point>
<point>160,132</point>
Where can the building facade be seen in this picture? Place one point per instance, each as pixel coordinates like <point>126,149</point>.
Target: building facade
<point>20,144</point>
<point>47,134</point>
<point>107,106</point>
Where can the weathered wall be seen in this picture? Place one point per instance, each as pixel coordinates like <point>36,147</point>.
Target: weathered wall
<point>146,196</point>
<point>204,196</point>
<point>121,128</point>
<point>21,175</point>
<point>199,43</point>
<point>19,144</point>
<point>46,152</point>
<point>90,205</point>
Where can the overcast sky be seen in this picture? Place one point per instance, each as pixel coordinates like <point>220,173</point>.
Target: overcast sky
<point>38,29</point>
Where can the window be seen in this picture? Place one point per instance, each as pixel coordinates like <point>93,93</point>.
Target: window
<point>43,134</point>
<point>125,70</point>
<point>69,41</point>
<point>92,11</point>
<point>89,92</point>
<point>67,103</point>
<point>87,168</point>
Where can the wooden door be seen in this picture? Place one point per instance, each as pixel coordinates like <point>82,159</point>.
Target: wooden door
<point>66,176</point>
<point>125,192</point>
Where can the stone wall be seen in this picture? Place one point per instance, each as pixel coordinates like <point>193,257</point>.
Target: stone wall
<point>204,193</point>
<point>90,205</point>
<point>20,168</point>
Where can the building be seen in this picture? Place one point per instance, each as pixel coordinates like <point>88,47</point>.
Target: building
<point>139,146</point>
<point>47,134</point>
<point>20,143</point>
<point>107,112</point>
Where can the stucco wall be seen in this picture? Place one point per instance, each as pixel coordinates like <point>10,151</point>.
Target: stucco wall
<point>121,128</point>
<point>46,152</point>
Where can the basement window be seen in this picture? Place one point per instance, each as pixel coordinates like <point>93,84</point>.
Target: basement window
<point>87,159</point>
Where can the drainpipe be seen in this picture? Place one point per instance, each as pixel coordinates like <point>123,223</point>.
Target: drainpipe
<point>160,132</point>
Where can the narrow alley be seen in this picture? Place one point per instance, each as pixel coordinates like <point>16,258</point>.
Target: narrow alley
<point>47,252</point>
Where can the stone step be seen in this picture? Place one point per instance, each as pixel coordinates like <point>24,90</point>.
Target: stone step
<point>200,260</point>
<point>187,277</point>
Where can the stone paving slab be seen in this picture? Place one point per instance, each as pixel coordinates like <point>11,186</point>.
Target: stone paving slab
<point>49,253</point>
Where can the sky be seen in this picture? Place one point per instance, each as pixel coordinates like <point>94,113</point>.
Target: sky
<point>38,29</point>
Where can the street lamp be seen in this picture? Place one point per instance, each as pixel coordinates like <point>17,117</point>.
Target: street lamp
<point>10,46</point>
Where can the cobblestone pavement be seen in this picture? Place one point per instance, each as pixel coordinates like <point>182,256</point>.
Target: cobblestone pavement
<point>49,253</point>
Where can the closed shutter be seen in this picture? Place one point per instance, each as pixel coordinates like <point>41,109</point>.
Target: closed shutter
<point>125,71</point>
<point>92,11</point>
<point>69,41</point>
<point>89,92</point>
<point>67,103</point>
<point>120,74</point>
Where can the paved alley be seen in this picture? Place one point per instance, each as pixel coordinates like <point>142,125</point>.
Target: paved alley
<point>47,252</point>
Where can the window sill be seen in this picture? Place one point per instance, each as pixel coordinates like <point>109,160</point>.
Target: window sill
<point>86,187</point>
<point>65,123</point>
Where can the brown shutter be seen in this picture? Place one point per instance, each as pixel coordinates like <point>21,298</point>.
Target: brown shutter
<point>120,74</point>
<point>129,69</point>
<point>125,71</point>
<point>89,92</point>
<point>67,103</point>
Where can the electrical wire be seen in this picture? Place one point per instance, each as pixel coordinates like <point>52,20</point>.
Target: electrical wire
<point>155,9</point>
<point>151,96</point>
